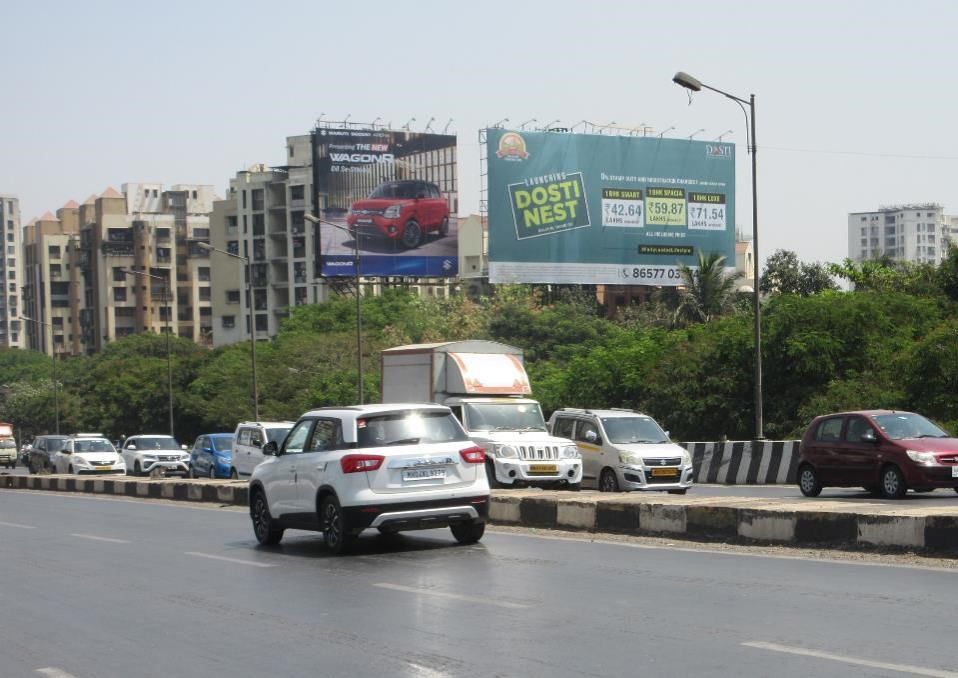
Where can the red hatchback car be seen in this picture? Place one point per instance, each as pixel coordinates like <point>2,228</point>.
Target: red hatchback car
<point>884,451</point>
<point>403,211</point>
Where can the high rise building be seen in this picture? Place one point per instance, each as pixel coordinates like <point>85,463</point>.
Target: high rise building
<point>11,273</point>
<point>917,233</point>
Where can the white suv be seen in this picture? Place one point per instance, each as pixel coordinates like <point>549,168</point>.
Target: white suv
<point>391,467</point>
<point>147,454</point>
<point>248,442</point>
<point>624,450</point>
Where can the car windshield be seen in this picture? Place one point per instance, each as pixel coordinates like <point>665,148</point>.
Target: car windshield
<point>623,430</point>
<point>7,443</point>
<point>157,443</point>
<point>222,443</point>
<point>277,435</point>
<point>56,443</point>
<point>93,445</point>
<point>408,428</point>
<point>504,416</point>
<point>904,425</point>
<point>394,189</point>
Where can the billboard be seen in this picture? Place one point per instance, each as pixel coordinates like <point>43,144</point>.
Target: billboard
<point>610,210</point>
<point>388,201</point>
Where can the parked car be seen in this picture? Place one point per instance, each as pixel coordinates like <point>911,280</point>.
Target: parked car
<point>884,451</point>
<point>8,452</point>
<point>212,455</point>
<point>624,450</point>
<point>84,453</point>
<point>401,211</point>
<point>145,454</point>
<point>248,441</point>
<point>42,451</point>
<point>391,467</point>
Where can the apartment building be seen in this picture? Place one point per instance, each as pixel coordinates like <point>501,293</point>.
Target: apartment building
<point>917,233</point>
<point>11,272</point>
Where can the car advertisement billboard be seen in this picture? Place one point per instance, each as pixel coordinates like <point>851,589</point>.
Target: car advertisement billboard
<point>390,194</point>
<point>595,209</point>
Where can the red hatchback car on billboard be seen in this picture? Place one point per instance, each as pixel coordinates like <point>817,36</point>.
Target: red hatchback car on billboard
<point>402,211</point>
<point>884,451</point>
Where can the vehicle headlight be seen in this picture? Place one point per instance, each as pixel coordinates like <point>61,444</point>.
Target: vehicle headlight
<point>184,457</point>
<point>149,457</point>
<point>392,212</point>
<point>686,458</point>
<point>80,461</point>
<point>926,458</point>
<point>630,458</point>
<point>570,452</point>
<point>506,451</point>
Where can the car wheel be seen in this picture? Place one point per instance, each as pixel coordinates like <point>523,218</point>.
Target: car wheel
<point>70,469</point>
<point>892,483</point>
<point>808,481</point>
<point>411,234</point>
<point>264,527</point>
<point>233,474</point>
<point>444,227</point>
<point>681,491</point>
<point>491,474</point>
<point>468,533</point>
<point>956,489</point>
<point>608,481</point>
<point>212,472</point>
<point>191,473</point>
<point>335,531</point>
<point>137,471</point>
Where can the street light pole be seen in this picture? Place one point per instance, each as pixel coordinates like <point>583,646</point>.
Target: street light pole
<point>252,317</point>
<point>690,83</point>
<point>313,219</point>
<point>53,354</point>
<point>167,299</point>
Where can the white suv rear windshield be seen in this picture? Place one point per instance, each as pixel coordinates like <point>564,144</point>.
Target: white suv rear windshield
<point>408,428</point>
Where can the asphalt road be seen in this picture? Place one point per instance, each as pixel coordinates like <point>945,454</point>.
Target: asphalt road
<point>96,587</point>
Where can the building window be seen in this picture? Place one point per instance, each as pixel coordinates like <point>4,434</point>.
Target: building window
<point>203,273</point>
<point>55,270</point>
<point>232,246</point>
<point>229,322</point>
<point>119,294</point>
<point>232,296</point>
<point>204,293</point>
<point>201,233</point>
<point>118,274</point>
<point>296,192</point>
<point>194,195</point>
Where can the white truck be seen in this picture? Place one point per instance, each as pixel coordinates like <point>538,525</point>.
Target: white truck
<point>8,446</point>
<point>487,389</point>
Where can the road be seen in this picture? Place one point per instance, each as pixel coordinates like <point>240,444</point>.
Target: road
<point>95,587</point>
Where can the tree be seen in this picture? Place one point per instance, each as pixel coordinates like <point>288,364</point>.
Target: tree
<point>785,274</point>
<point>708,292</point>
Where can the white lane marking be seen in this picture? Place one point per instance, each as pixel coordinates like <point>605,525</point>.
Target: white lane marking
<point>22,527</point>
<point>96,538</point>
<point>901,668</point>
<point>55,673</point>
<point>228,560</point>
<point>451,596</point>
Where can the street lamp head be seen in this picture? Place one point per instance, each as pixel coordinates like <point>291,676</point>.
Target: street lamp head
<point>311,218</point>
<point>204,245</point>
<point>687,81</point>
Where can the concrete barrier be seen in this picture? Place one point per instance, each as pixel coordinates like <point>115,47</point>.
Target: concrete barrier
<point>759,462</point>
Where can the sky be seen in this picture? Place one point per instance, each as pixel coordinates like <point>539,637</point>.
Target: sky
<point>855,101</point>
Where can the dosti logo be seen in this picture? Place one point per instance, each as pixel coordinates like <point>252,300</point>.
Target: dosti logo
<point>717,151</point>
<point>512,147</point>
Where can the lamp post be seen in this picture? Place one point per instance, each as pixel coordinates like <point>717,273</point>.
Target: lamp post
<point>313,219</point>
<point>690,83</point>
<point>252,317</point>
<point>53,354</point>
<point>167,299</point>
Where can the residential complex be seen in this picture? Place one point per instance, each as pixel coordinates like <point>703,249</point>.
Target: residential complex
<point>11,271</point>
<point>918,233</point>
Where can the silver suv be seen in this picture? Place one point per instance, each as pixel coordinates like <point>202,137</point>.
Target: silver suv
<point>624,450</point>
<point>248,441</point>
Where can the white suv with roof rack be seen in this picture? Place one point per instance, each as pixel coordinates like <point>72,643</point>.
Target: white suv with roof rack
<point>624,450</point>
<point>392,467</point>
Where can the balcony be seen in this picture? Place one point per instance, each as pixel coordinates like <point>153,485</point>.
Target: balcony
<point>114,249</point>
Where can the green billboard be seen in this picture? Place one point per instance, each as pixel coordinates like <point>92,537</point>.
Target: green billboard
<point>612,210</point>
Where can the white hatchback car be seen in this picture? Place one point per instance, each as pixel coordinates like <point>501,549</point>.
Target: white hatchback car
<point>624,450</point>
<point>87,453</point>
<point>145,454</point>
<point>391,467</point>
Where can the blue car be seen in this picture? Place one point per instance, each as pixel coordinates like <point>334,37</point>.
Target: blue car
<point>211,456</point>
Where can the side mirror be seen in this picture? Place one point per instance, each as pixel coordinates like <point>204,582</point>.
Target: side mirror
<point>182,447</point>
<point>869,437</point>
<point>270,449</point>
<point>65,450</point>
<point>592,437</point>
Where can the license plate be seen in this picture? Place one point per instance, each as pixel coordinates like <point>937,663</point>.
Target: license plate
<point>954,471</point>
<point>423,473</point>
<point>665,471</point>
<point>543,468</point>
<point>366,221</point>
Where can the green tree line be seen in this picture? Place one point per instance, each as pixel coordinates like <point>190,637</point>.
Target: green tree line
<point>684,357</point>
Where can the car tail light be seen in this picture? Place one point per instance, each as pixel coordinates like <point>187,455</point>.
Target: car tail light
<point>356,463</point>
<point>473,455</point>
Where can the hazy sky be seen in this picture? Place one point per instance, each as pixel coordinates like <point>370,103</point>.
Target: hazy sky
<point>855,101</point>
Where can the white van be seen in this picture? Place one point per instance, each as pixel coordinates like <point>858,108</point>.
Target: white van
<point>248,441</point>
